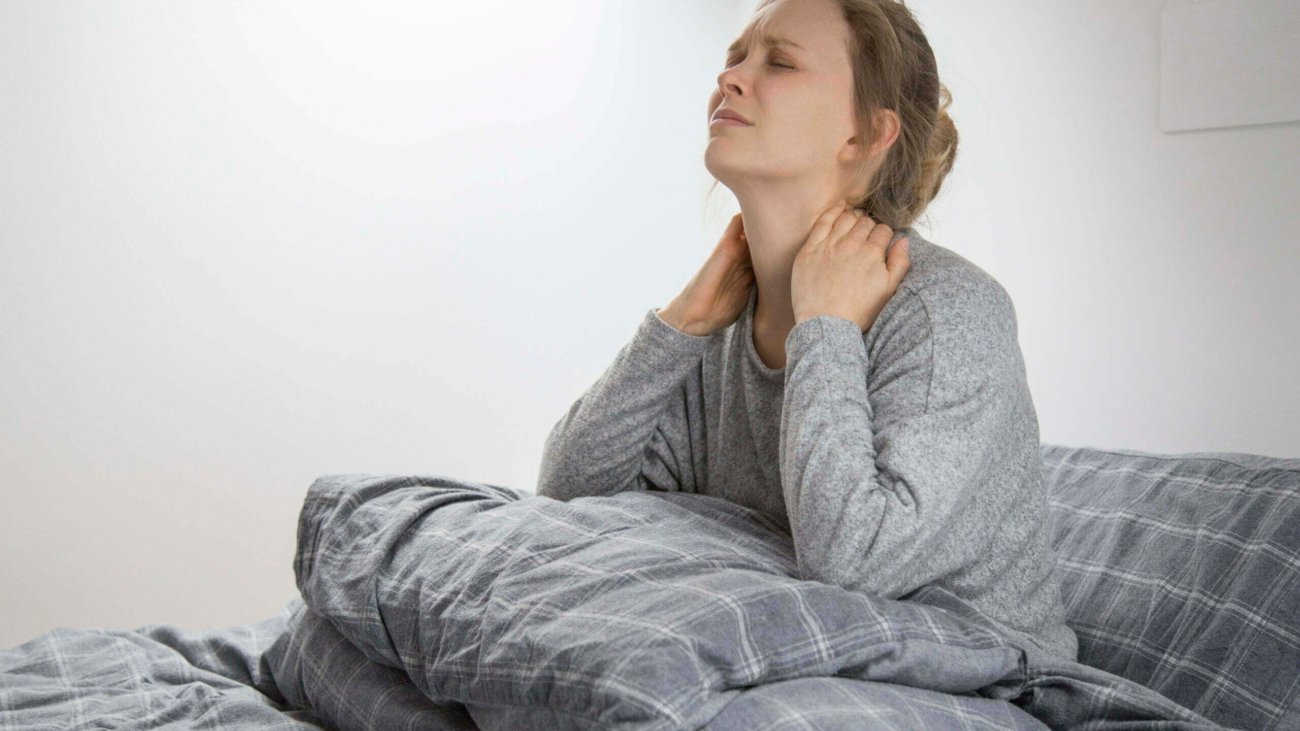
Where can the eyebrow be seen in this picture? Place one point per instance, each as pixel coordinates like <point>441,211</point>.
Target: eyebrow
<point>769,40</point>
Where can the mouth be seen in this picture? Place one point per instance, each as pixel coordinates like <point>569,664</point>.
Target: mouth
<point>726,116</point>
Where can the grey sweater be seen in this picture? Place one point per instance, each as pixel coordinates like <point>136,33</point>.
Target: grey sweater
<point>897,457</point>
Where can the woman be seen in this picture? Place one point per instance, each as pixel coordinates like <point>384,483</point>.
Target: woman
<point>867,391</point>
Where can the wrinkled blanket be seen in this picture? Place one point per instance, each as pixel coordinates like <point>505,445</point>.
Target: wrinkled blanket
<point>153,676</point>
<point>432,602</point>
<point>657,610</point>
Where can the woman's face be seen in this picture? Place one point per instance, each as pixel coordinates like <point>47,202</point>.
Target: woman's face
<point>798,96</point>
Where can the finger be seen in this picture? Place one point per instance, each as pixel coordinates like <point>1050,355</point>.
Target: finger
<point>898,261</point>
<point>843,224</point>
<point>860,232</point>
<point>825,221</point>
<point>868,220</point>
<point>879,238</point>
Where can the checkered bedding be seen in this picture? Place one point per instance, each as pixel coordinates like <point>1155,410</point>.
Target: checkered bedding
<point>1181,572</point>
<point>432,602</point>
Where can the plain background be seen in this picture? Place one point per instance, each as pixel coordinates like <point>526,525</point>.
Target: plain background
<point>246,244</point>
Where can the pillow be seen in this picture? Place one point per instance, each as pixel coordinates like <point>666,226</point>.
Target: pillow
<point>1182,572</point>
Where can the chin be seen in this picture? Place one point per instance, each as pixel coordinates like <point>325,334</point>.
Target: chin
<point>721,165</point>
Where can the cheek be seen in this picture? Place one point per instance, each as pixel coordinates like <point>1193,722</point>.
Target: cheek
<point>829,122</point>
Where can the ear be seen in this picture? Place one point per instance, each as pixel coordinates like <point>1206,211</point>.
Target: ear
<point>888,128</point>
<point>887,131</point>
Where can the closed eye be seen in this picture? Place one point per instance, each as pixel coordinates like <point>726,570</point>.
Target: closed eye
<point>773,63</point>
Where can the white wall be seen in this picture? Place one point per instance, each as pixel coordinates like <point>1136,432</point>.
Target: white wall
<point>246,244</point>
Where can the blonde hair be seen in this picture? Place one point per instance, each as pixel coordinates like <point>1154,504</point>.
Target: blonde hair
<point>894,68</point>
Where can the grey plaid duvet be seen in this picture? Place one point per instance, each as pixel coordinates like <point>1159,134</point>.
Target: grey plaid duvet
<point>154,676</point>
<point>433,602</point>
<point>1181,572</point>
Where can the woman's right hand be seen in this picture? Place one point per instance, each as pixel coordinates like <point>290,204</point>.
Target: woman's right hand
<point>719,292</point>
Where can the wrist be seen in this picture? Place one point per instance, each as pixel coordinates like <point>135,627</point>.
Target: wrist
<point>671,315</point>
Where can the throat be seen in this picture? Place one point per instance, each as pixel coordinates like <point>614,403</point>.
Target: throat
<point>768,335</point>
<point>770,347</point>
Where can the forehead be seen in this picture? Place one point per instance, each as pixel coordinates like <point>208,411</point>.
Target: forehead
<point>809,27</point>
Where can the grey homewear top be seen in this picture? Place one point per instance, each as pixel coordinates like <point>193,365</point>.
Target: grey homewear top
<point>898,457</point>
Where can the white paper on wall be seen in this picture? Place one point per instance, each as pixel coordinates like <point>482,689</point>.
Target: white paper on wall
<point>1229,63</point>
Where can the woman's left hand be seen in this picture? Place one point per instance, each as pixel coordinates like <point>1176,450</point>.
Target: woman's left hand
<point>842,269</point>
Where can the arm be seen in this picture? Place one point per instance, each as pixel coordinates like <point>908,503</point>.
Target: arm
<point>873,481</point>
<point>629,430</point>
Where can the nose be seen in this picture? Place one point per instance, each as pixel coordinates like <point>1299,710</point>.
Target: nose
<point>729,82</point>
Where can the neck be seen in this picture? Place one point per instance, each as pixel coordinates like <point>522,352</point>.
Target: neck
<point>777,224</point>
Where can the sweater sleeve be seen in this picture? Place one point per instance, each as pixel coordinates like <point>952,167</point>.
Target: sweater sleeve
<point>629,430</point>
<point>874,478</point>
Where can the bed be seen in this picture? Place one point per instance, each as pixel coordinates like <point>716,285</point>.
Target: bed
<point>427,601</point>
